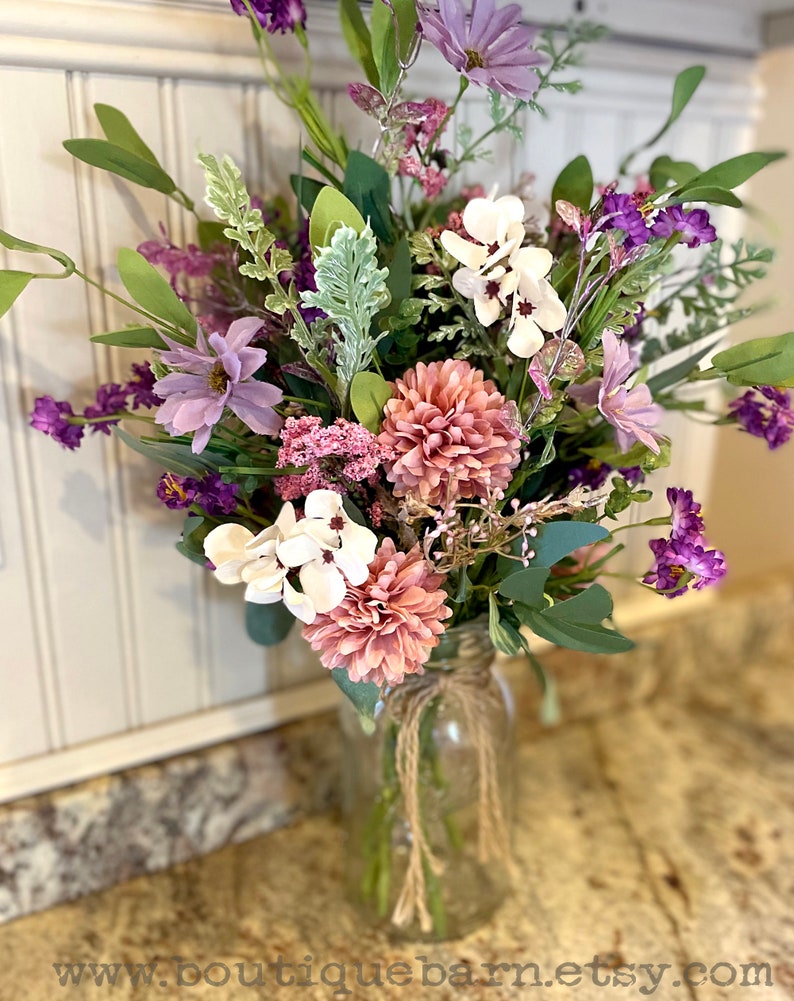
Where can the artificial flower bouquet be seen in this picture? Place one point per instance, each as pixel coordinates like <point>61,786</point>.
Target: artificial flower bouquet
<point>392,407</point>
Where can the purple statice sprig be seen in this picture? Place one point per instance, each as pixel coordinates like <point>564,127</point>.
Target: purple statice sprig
<point>694,225</point>
<point>764,412</point>
<point>685,558</point>
<point>274,15</point>
<point>113,401</point>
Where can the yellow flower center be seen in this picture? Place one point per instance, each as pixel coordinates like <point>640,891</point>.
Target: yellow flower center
<point>473,60</point>
<point>218,379</point>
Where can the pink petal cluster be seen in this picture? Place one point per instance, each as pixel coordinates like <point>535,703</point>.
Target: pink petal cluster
<point>446,425</point>
<point>385,628</point>
<point>337,456</point>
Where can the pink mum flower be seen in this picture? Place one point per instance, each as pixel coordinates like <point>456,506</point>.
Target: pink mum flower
<point>446,426</point>
<point>386,627</point>
<point>217,373</point>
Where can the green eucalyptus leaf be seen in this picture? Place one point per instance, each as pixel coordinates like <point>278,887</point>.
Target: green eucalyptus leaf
<point>12,285</point>
<point>503,636</point>
<point>14,243</point>
<point>731,173</point>
<point>306,190</point>
<point>131,337</point>
<point>591,605</point>
<point>358,38</point>
<point>557,539</point>
<point>120,132</point>
<point>152,292</point>
<point>117,160</point>
<point>368,187</point>
<point>527,585</point>
<point>684,88</point>
<point>210,232</point>
<point>765,361</point>
<point>331,210</point>
<point>707,193</point>
<point>363,694</point>
<point>582,636</point>
<point>574,184</point>
<point>665,169</point>
<point>368,395</point>
<point>268,624</point>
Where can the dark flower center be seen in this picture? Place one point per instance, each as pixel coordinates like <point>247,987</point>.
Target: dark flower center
<point>328,556</point>
<point>473,60</point>
<point>337,523</point>
<point>492,289</point>
<point>218,378</point>
<point>526,308</point>
<point>492,249</point>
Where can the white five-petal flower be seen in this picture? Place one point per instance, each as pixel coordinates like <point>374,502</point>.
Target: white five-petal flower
<point>325,547</point>
<point>536,305</point>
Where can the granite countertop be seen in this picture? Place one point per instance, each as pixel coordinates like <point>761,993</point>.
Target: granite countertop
<point>655,833</point>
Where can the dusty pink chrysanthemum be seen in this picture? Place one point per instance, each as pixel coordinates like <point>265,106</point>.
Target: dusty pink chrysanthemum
<point>445,423</point>
<point>385,628</point>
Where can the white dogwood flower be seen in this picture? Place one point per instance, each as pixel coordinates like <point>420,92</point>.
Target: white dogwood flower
<point>536,305</point>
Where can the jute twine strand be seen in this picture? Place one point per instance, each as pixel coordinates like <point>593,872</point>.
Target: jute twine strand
<point>474,691</point>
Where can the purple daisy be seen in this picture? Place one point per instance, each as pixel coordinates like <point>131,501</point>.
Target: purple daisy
<point>680,562</point>
<point>490,47</point>
<point>765,412</point>
<point>695,225</point>
<point>177,492</point>
<point>621,212</point>
<point>215,375</point>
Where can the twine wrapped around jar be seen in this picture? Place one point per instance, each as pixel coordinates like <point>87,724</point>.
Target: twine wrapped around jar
<point>473,689</point>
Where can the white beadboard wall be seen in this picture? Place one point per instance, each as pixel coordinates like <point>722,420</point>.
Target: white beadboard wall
<point>116,650</point>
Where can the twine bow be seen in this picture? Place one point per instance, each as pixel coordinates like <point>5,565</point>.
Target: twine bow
<point>474,690</point>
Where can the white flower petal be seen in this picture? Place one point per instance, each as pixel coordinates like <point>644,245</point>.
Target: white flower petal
<point>300,548</point>
<point>481,220</point>
<point>353,565</point>
<point>231,572</point>
<point>324,584</point>
<point>257,597</point>
<point>227,543</point>
<point>526,338</point>
<point>299,604</point>
<point>533,261</point>
<point>323,504</point>
<point>488,309</point>
<point>550,313</point>
<point>471,254</point>
<point>286,519</point>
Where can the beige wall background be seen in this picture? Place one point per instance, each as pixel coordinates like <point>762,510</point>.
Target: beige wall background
<point>751,513</point>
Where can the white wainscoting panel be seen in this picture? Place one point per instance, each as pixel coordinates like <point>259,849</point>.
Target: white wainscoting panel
<point>115,649</point>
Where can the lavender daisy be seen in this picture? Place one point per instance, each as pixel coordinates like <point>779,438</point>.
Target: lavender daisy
<point>215,375</point>
<point>489,47</point>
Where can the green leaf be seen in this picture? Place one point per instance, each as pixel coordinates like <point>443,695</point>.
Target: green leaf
<point>120,132</point>
<point>363,694</point>
<point>503,636</point>
<point>368,187</point>
<point>152,292</point>
<point>676,373</point>
<point>173,456</point>
<point>573,635</point>
<point>268,624</point>
<point>12,285</point>
<point>526,585</point>
<point>731,173</point>
<point>132,337</point>
<point>368,395</point>
<point>210,232</point>
<point>765,361</point>
<point>331,210</point>
<point>557,539</point>
<point>384,47</point>
<point>710,194</point>
<point>575,184</point>
<point>684,88</point>
<point>358,38</point>
<point>306,190</point>
<point>590,606</point>
<point>664,169</point>
<point>14,243</point>
<point>117,160</point>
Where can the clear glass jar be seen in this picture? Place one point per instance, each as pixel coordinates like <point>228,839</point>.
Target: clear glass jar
<point>453,876</point>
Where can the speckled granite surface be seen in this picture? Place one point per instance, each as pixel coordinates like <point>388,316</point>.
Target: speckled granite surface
<point>59,846</point>
<point>654,835</point>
